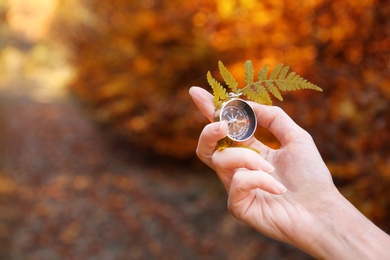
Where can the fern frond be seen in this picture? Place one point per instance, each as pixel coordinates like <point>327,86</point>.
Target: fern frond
<point>219,92</point>
<point>249,74</point>
<point>228,77</point>
<point>279,79</point>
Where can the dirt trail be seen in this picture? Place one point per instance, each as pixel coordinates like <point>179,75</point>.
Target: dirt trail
<point>70,191</point>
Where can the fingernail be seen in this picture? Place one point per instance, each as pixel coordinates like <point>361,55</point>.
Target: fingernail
<point>269,168</point>
<point>280,188</point>
<point>192,91</point>
<point>223,125</point>
<point>219,125</point>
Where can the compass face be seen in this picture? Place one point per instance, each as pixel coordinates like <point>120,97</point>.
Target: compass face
<point>241,119</point>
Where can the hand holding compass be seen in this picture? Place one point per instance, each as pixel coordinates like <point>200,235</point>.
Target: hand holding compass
<point>288,193</point>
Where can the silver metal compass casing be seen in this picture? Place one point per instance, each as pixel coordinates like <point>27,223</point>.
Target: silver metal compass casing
<point>240,117</point>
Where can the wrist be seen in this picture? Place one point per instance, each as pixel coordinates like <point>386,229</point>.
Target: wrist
<point>340,231</point>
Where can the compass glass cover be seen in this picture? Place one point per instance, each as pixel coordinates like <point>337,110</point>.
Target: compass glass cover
<point>241,119</point>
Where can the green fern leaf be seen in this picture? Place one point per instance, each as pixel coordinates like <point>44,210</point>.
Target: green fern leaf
<point>219,92</point>
<point>228,77</point>
<point>249,74</point>
<point>279,80</point>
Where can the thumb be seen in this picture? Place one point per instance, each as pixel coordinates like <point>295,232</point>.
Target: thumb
<point>204,101</point>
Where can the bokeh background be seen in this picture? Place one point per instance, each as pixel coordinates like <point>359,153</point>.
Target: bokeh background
<point>98,132</point>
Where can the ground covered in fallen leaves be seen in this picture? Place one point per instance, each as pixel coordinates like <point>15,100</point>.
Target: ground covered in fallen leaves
<point>70,190</point>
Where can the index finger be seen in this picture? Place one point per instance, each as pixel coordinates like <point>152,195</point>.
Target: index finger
<point>279,123</point>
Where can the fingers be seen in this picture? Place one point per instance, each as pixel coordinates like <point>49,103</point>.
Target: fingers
<point>204,101</point>
<point>236,158</point>
<point>227,162</point>
<point>279,123</point>
<point>208,141</point>
<point>245,183</point>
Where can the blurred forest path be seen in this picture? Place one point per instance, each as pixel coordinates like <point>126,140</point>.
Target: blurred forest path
<point>70,190</point>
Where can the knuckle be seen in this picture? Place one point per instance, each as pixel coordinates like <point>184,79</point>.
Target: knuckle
<point>299,135</point>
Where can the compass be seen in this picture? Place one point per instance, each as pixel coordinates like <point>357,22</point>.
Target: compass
<point>241,119</point>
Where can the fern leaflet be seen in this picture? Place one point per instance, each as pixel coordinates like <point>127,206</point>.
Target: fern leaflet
<point>249,74</point>
<point>228,77</point>
<point>262,75</point>
<point>219,92</point>
<point>273,89</point>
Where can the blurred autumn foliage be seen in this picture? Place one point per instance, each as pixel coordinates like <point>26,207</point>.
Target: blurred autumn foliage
<point>136,60</point>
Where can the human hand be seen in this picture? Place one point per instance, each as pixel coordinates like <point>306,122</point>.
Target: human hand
<point>287,194</point>
<point>256,184</point>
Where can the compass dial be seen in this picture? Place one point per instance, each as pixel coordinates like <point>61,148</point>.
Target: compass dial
<point>241,119</point>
